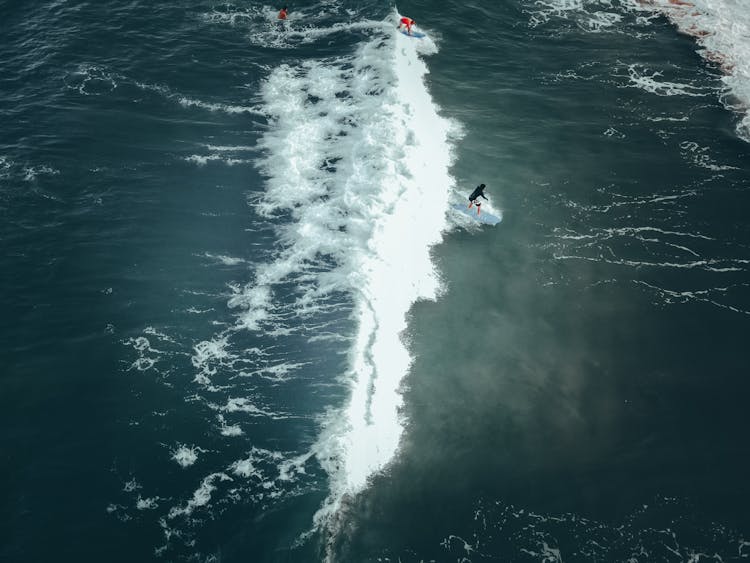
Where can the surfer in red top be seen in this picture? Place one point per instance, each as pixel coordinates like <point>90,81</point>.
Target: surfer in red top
<point>282,13</point>
<point>407,23</point>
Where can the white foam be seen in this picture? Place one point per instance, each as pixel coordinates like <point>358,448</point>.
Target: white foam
<point>652,82</point>
<point>591,15</point>
<point>290,468</point>
<point>699,156</point>
<point>243,404</point>
<point>226,108</point>
<point>131,486</point>
<point>259,463</point>
<point>229,429</point>
<point>146,353</point>
<point>208,355</point>
<point>5,166</point>
<point>277,372</point>
<point>31,172</point>
<point>92,80</point>
<point>188,102</point>
<point>245,468</point>
<point>158,334</point>
<point>185,456</point>
<point>201,496</point>
<point>224,259</point>
<point>203,159</point>
<point>233,16</point>
<point>709,296</point>
<point>612,132</point>
<point>147,503</point>
<point>255,301</point>
<point>310,28</point>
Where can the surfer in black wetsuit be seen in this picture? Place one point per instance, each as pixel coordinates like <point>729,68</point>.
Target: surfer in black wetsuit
<point>475,195</point>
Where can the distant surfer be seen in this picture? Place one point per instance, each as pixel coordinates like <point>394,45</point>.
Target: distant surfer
<point>406,23</point>
<point>282,13</point>
<point>475,195</point>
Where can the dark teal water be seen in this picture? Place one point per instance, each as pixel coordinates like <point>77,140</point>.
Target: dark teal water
<point>578,391</point>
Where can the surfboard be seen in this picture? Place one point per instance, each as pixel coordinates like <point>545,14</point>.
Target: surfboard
<point>485,217</point>
<point>414,34</point>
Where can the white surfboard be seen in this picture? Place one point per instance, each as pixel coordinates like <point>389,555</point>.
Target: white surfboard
<point>485,217</point>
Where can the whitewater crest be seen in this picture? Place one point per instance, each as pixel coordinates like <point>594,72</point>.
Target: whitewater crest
<point>357,161</point>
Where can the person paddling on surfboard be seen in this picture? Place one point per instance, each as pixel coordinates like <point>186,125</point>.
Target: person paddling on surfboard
<point>475,195</point>
<point>407,23</point>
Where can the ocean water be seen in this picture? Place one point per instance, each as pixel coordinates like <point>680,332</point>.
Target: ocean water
<point>243,322</point>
